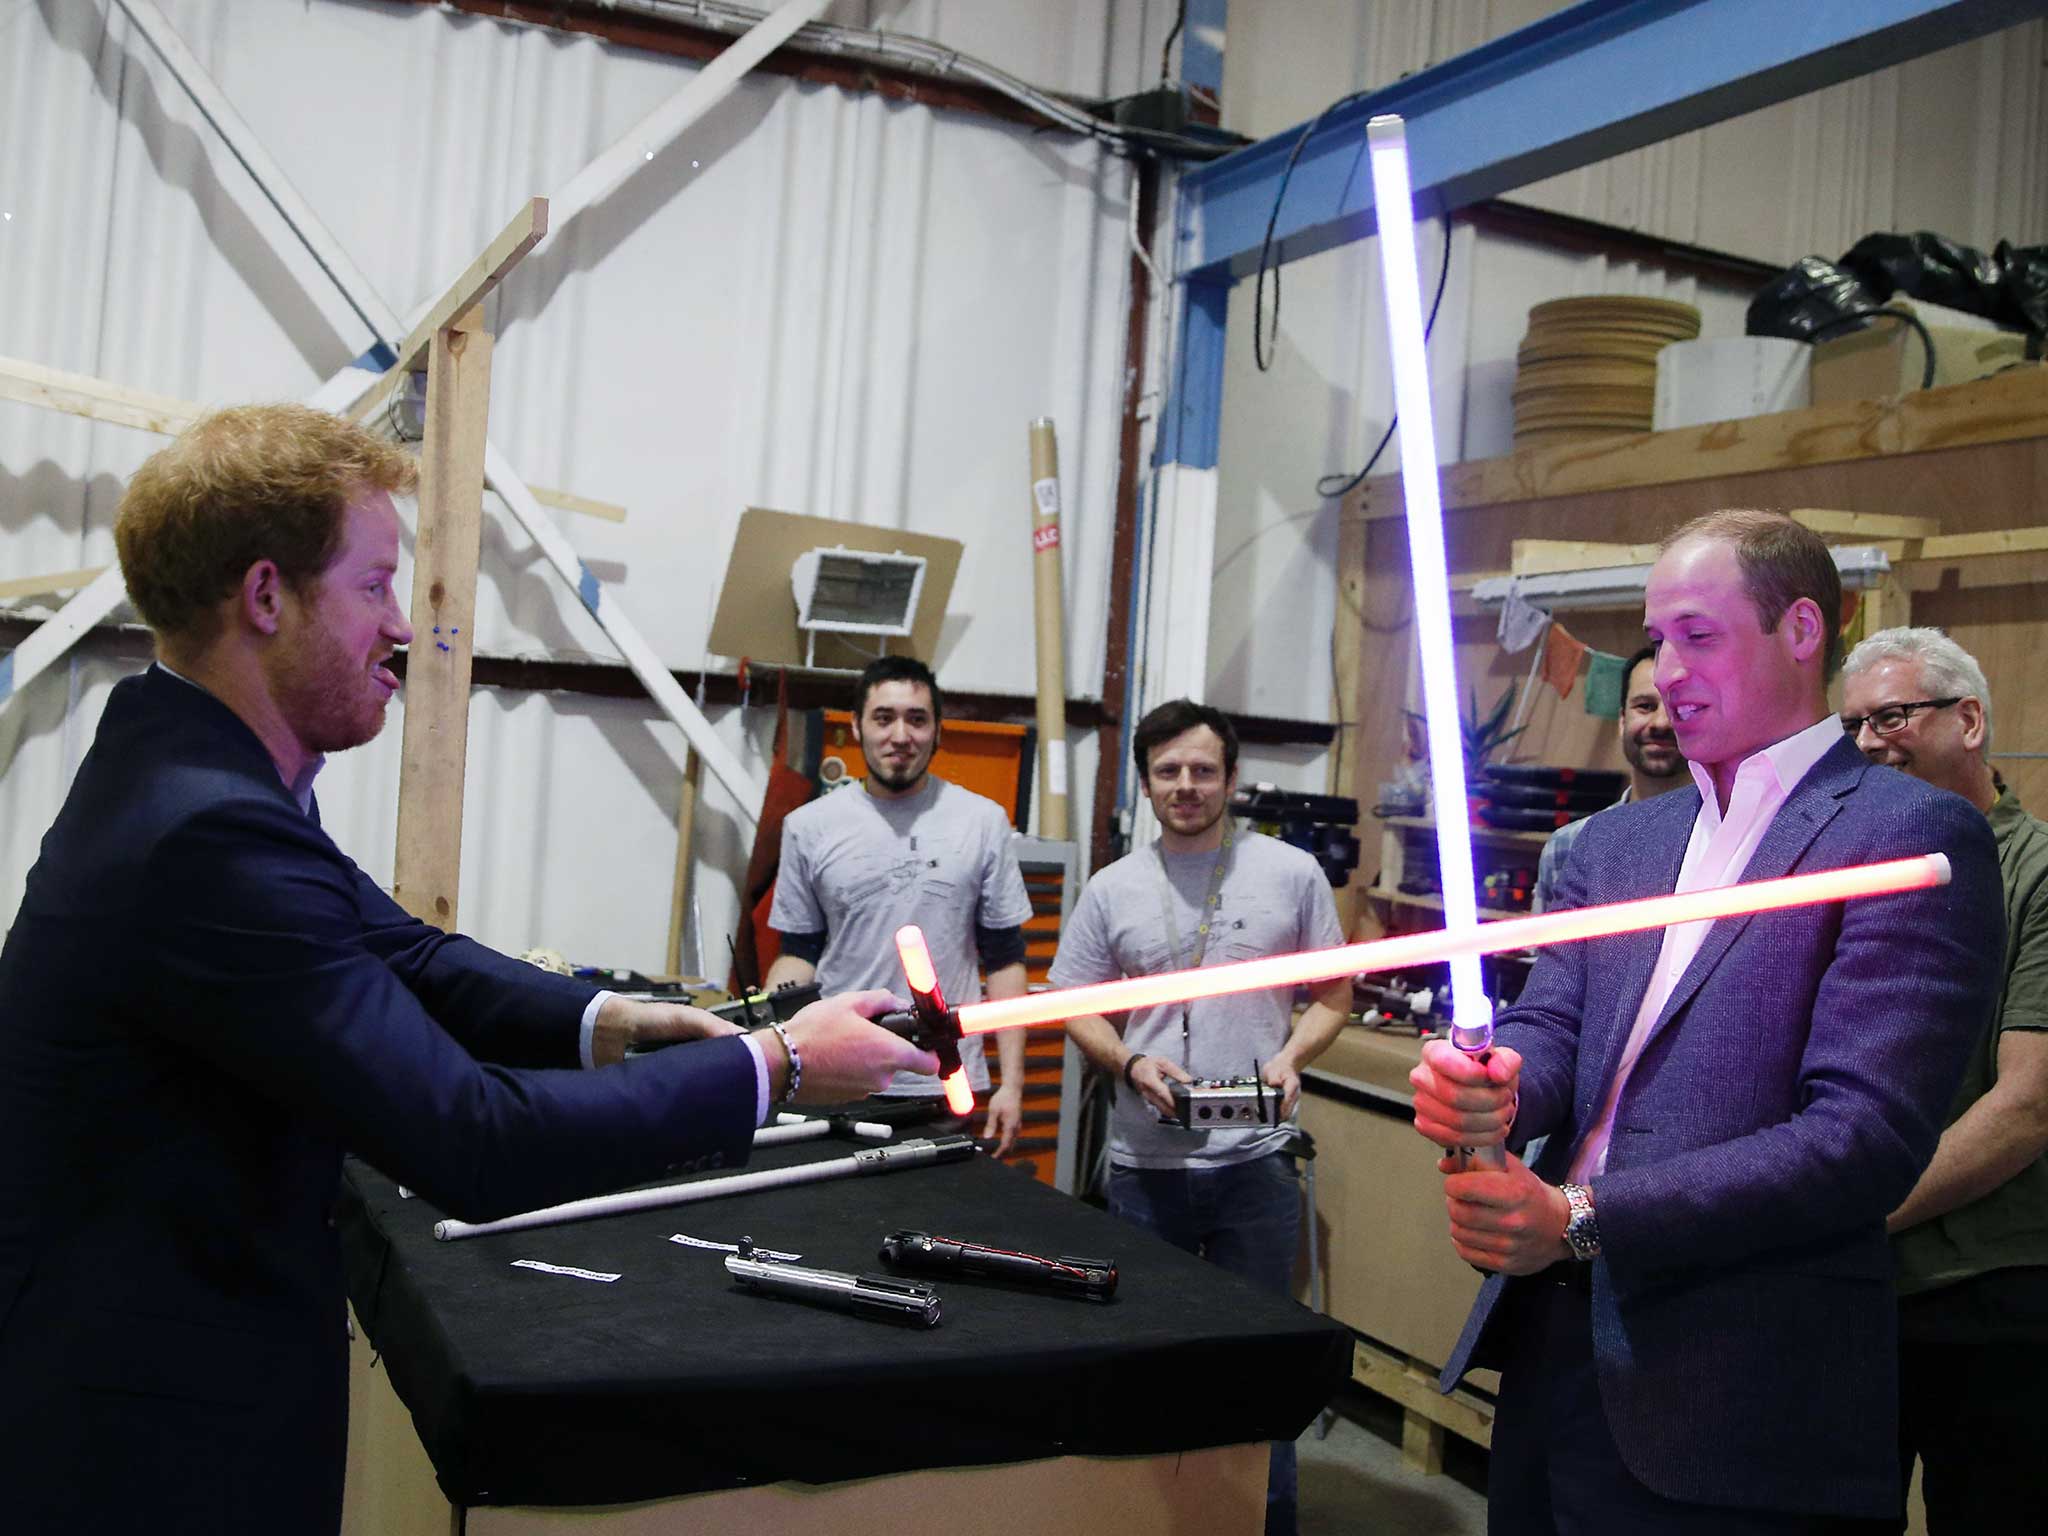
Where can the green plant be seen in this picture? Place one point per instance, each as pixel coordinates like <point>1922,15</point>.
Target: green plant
<point>1482,737</point>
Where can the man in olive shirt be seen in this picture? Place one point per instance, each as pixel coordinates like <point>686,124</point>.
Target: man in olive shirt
<point>1971,1240</point>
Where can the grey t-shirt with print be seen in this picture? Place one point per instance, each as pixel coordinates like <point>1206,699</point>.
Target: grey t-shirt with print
<point>1274,901</point>
<point>859,866</point>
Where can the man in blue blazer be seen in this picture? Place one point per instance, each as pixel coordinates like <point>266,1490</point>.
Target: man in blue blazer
<point>203,1001</point>
<point>1691,1302</point>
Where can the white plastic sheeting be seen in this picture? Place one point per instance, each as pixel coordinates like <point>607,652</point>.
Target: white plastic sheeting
<point>817,301</point>
<point>1956,142</point>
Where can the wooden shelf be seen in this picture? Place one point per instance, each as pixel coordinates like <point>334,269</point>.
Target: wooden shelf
<point>1432,904</point>
<point>1496,836</point>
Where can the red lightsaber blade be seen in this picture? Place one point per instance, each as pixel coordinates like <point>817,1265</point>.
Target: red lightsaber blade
<point>928,1006</point>
<point>932,1024</point>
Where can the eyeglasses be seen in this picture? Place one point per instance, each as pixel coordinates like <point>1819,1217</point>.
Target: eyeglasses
<point>1892,719</point>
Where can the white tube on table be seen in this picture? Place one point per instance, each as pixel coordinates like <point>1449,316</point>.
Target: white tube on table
<point>905,1154</point>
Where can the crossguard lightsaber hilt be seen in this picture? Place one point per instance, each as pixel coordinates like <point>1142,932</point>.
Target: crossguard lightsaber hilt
<point>928,1023</point>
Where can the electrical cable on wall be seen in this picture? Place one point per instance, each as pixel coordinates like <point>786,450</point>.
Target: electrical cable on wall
<point>1338,484</point>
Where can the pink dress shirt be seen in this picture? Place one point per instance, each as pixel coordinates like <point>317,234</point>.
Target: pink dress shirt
<point>1718,853</point>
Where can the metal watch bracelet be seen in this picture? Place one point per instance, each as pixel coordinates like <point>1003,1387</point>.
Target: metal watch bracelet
<point>1581,1231</point>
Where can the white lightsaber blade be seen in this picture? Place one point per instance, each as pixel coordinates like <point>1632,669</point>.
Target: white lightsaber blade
<point>1393,203</point>
<point>798,1128</point>
<point>1412,949</point>
<point>889,1159</point>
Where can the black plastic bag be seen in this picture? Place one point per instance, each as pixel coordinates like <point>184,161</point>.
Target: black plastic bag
<point>1809,296</point>
<point>2025,286</point>
<point>1930,267</point>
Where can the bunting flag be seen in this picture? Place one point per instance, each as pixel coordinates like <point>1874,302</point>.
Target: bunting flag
<point>1562,652</point>
<point>1521,622</point>
<point>1605,680</point>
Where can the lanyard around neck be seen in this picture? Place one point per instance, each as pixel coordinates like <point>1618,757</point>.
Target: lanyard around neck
<point>1209,903</point>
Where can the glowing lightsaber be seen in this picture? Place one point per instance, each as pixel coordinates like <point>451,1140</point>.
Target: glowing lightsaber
<point>1410,949</point>
<point>1393,202</point>
<point>928,1003</point>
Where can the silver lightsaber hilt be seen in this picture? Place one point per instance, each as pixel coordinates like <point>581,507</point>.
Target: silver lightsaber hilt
<point>910,1302</point>
<point>1476,1041</point>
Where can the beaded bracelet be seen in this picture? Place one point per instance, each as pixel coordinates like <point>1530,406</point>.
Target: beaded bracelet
<point>796,1063</point>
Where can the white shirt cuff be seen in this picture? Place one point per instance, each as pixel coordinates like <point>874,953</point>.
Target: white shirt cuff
<point>589,1029</point>
<point>760,1079</point>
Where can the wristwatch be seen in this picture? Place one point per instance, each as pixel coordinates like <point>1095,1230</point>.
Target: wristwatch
<point>1581,1231</point>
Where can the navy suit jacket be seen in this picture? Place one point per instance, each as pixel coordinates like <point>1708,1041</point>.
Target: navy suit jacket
<point>1789,1097</point>
<point>202,1002</point>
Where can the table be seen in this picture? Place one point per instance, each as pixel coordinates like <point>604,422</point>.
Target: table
<point>540,1390</point>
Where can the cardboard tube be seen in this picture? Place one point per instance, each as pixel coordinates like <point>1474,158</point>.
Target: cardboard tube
<point>1050,595</point>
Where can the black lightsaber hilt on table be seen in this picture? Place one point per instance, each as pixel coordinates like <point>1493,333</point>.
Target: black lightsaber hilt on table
<point>1067,1275</point>
<point>879,1296</point>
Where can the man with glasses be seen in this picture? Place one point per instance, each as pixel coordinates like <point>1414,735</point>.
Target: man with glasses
<point>1970,1243</point>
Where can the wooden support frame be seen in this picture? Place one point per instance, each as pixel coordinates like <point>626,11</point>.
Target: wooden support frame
<point>602,176</point>
<point>450,313</point>
<point>434,753</point>
<point>80,394</point>
<point>18,587</point>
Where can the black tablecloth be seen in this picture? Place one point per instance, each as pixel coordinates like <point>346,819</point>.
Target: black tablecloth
<point>535,1388</point>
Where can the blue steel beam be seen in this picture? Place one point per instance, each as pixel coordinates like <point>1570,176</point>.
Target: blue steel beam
<point>1594,80</point>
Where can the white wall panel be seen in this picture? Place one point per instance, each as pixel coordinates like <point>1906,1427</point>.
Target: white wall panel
<point>818,301</point>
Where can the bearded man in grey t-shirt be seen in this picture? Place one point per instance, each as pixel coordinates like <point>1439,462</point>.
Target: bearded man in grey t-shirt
<point>1206,894</point>
<point>907,847</point>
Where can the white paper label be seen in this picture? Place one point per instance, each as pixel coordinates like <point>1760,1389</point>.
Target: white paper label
<point>1056,769</point>
<point>563,1269</point>
<point>1047,494</point>
<point>700,1242</point>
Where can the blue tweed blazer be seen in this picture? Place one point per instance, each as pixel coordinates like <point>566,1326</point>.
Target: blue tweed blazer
<point>1790,1095</point>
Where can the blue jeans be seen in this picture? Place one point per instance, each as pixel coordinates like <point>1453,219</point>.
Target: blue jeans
<point>1245,1217</point>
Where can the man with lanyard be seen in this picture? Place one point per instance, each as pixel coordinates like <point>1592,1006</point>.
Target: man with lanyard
<point>1654,765</point>
<point>1206,894</point>
<point>908,847</point>
<point>1970,1243</point>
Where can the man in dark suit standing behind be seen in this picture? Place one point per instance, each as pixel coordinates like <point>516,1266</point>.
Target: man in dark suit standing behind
<point>1691,1303</point>
<point>203,1001</point>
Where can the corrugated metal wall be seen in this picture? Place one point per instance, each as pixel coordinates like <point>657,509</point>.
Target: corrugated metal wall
<point>821,302</point>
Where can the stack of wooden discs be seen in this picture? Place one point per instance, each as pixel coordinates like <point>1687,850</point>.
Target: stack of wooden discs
<point>1588,367</point>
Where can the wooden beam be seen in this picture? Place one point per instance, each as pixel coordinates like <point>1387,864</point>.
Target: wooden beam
<point>1887,605</point>
<point>667,122</point>
<point>2007,407</point>
<point>1392,1376</point>
<point>1864,527</point>
<point>1979,546</point>
<point>269,176</point>
<point>1541,557</point>
<point>436,744</point>
<point>686,837</point>
<point>45,586</point>
<point>56,634</point>
<point>79,395</point>
<point>566,502</point>
<point>469,290</point>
